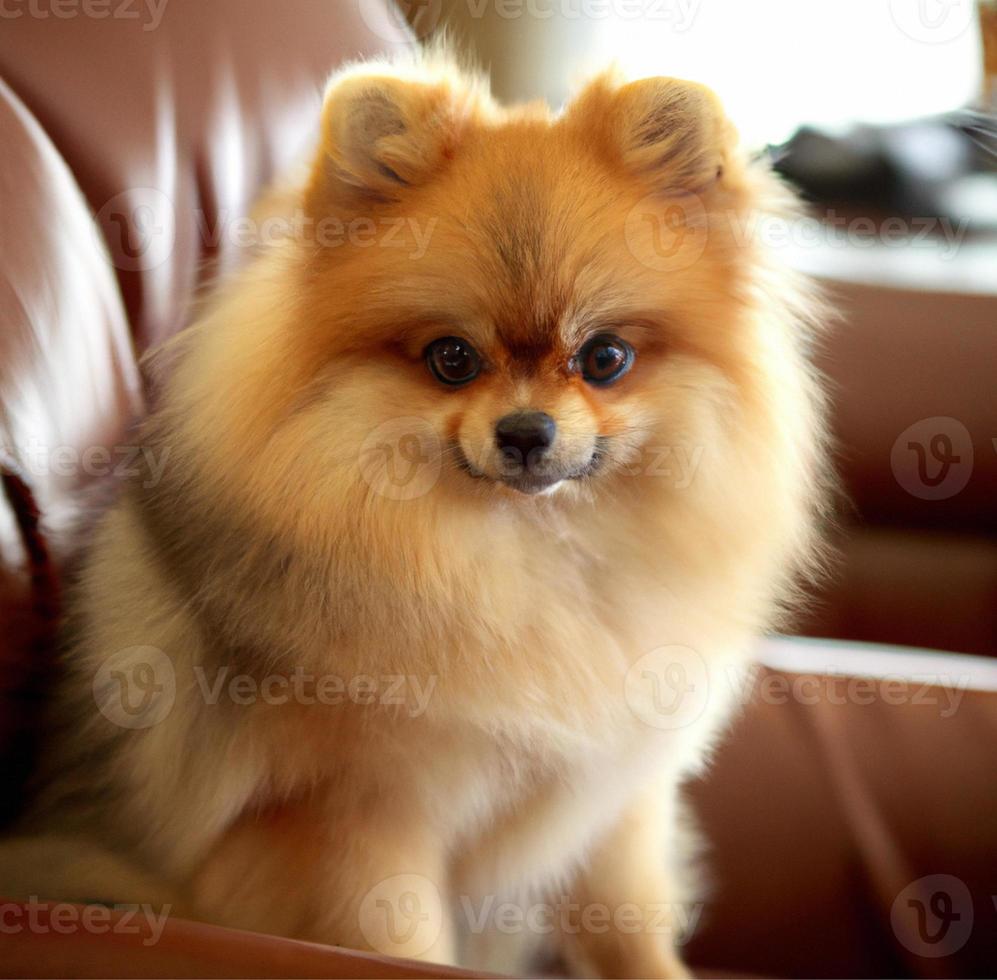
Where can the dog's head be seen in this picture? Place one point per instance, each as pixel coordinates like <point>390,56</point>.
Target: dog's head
<point>493,304</point>
<point>529,301</point>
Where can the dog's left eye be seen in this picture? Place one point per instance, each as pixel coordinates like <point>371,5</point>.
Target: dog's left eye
<point>604,359</point>
<point>453,360</point>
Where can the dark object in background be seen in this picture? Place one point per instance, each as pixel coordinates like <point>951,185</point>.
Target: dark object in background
<point>943,167</point>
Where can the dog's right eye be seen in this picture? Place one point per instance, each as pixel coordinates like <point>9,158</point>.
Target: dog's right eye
<point>453,360</point>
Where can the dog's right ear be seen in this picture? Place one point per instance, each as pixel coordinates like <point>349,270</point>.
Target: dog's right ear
<point>382,133</point>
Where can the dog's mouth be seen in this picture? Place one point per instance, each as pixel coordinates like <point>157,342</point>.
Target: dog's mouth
<point>535,478</point>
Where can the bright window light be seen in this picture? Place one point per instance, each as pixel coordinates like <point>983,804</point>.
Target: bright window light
<point>775,63</point>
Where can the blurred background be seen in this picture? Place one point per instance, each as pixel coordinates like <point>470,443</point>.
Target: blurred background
<point>881,113</point>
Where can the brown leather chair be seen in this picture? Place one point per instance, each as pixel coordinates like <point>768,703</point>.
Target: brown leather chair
<point>915,418</point>
<point>127,144</point>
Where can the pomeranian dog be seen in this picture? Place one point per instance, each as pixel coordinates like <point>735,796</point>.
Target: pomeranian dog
<point>478,487</point>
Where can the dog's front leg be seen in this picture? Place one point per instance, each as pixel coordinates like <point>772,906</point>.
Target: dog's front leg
<point>625,905</point>
<point>331,874</point>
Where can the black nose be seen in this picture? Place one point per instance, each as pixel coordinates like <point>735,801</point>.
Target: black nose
<point>523,437</point>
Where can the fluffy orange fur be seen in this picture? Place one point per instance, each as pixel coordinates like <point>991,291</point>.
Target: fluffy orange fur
<point>279,539</point>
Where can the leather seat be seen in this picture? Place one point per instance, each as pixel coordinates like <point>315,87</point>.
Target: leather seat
<point>128,146</point>
<point>912,389</point>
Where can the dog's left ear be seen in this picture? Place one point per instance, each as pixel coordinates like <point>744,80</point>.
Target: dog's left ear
<point>671,132</point>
